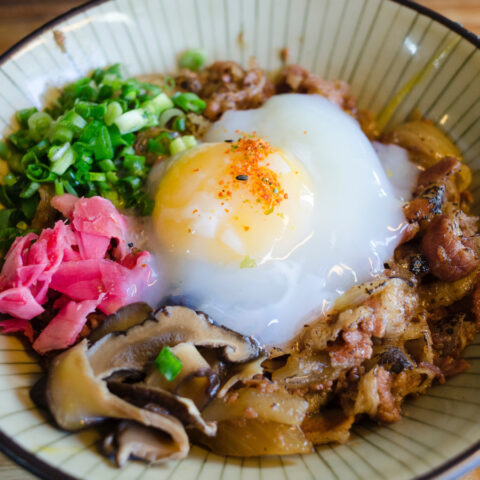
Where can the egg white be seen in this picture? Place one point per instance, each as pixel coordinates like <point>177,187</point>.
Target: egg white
<point>357,224</point>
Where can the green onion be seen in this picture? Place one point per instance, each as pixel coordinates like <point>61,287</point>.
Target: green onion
<point>169,83</point>
<point>68,187</point>
<point>73,121</point>
<point>107,165</point>
<point>38,172</point>
<point>153,146</point>
<point>9,179</point>
<point>61,134</point>
<point>103,145</point>
<point>39,124</point>
<point>167,115</point>
<point>190,102</point>
<point>158,104</point>
<point>193,59</point>
<point>179,124</point>
<point>135,164</point>
<point>59,190</point>
<point>29,190</point>
<point>131,121</point>
<point>168,364</point>
<point>189,141</point>
<point>61,158</point>
<point>24,115</point>
<point>29,206</point>
<point>90,109</point>
<point>114,110</point>
<point>90,132</point>
<point>5,216</point>
<point>177,145</point>
<point>97,176</point>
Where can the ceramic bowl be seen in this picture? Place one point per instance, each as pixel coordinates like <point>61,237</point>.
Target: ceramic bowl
<point>377,46</point>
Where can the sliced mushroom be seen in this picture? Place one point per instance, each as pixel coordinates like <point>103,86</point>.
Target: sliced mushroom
<point>131,439</point>
<point>122,320</point>
<point>196,380</point>
<point>133,349</point>
<point>182,408</point>
<point>76,399</point>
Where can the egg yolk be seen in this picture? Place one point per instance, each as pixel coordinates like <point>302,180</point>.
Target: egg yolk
<point>240,203</point>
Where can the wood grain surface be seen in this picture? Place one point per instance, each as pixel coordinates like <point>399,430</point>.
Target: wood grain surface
<point>20,17</point>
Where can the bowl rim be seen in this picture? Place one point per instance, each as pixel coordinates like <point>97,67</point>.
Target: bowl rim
<point>454,467</point>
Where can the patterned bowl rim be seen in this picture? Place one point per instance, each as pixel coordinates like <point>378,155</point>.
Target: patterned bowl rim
<point>456,466</point>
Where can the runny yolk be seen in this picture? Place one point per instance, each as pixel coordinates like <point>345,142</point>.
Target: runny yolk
<point>228,202</point>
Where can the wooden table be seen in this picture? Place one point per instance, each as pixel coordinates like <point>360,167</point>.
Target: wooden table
<point>20,17</point>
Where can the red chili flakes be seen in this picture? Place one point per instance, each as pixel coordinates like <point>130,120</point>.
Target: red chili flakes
<point>196,170</point>
<point>246,228</point>
<point>248,168</point>
<point>195,211</point>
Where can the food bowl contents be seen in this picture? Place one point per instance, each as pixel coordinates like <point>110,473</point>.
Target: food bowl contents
<point>233,258</point>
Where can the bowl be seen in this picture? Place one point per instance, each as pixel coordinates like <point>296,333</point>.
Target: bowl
<point>378,46</point>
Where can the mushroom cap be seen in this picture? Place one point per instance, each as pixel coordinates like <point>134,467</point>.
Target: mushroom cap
<point>140,344</point>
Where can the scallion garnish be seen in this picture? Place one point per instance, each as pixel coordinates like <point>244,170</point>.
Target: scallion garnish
<point>84,144</point>
<point>168,364</point>
<point>193,59</point>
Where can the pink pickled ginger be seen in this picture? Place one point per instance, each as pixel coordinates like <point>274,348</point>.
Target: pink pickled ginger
<point>85,261</point>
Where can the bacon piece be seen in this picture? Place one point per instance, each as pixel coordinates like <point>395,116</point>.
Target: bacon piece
<point>449,254</point>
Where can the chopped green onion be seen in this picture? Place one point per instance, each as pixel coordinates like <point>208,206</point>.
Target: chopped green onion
<point>168,364</point>
<point>190,102</point>
<point>179,124</point>
<point>114,110</point>
<point>29,206</point>
<point>59,190</point>
<point>74,121</point>
<point>131,121</point>
<point>29,190</point>
<point>9,179</point>
<point>112,177</point>
<point>39,124</point>
<point>90,109</point>
<point>133,182</point>
<point>38,172</point>
<point>24,115</point>
<point>169,83</point>
<point>103,145</point>
<point>97,176</point>
<point>5,216</point>
<point>153,146</point>
<point>135,164</point>
<point>68,187</point>
<point>90,132</point>
<point>189,141</point>
<point>167,115</point>
<point>158,104</point>
<point>107,165</point>
<point>177,145</point>
<point>62,134</point>
<point>61,158</point>
<point>193,59</point>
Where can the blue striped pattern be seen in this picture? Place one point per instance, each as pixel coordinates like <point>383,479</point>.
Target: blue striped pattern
<point>377,46</point>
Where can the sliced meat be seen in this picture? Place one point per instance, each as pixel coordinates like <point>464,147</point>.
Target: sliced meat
<point>439,172</point>
<point>227,86</point>
<point>449,254</point>
<point>295,78</point>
